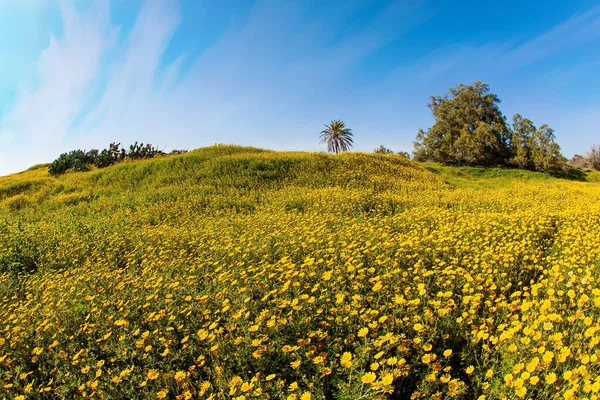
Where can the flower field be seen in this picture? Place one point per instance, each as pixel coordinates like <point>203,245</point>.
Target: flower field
<point>237,273</point>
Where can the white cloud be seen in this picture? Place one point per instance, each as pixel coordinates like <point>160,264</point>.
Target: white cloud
<point>267,82</point>
<point>39,121</point>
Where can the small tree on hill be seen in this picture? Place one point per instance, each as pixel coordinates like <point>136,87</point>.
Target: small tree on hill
<point>522,132</point>
<point>545,152</point>
<point>337,137</point>
<point>469,128</point>
<point>383,150</point>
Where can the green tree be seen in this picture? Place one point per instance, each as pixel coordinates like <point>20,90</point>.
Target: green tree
<point>383,150</point>
<point>337,137</point>
<point>545,152</point>
<point>469,128</point>
<point>522,131</point>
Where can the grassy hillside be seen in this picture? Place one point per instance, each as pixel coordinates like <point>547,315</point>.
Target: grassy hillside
<point>241,273</point>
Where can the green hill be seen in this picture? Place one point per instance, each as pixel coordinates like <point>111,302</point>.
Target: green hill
<point>240,273</point>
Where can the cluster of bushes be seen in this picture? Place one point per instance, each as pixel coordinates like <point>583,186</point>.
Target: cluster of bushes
<point>81,160</point>
<point>384,150</point>
<point>470,129</point>
<point>591,160</point>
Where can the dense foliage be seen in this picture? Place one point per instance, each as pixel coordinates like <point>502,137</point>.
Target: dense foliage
<point>81,160</point>
<point>470,129</point>
<point>237,273</point>
<point>383,150</point>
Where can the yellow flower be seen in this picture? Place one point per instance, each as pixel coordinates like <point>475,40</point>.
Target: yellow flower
<point>305,396</point>
<point>387,379</point>
<point>270,377</point>
<point>363,332</point>
<point>180,375</point>
<point>202,334</point>
<point>369,377</point>
<point>447,353</point>
<point>152,374</point>
<point>246,387</point>
<point>550,378</point>
<point>162,394</point>
<point>346,360</point>
<point>533,364</point>
<point>470,369</point>
<point>428,358</point>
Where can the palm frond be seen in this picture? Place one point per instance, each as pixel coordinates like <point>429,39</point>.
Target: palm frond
<point>337,137</point>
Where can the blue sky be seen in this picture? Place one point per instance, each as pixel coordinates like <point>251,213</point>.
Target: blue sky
<point>271,73</point>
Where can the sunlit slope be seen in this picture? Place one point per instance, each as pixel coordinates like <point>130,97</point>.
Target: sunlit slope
<point>213,172</point>
<point>232,272</point>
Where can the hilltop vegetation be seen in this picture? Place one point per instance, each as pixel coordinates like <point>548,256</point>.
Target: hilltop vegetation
<point>240,273</point>
<point>470,129</point>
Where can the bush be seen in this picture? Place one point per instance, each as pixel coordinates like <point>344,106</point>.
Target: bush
<point>137,151</point>
<point>81,160</point>
<point>77,160</point>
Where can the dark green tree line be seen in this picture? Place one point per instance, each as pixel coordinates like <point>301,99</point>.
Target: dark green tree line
<point>82,160</point>
<point>470,129</point>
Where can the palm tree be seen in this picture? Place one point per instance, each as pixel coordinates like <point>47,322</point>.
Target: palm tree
<point>337,136</point>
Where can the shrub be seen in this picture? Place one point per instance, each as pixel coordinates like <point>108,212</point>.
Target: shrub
<point>81,160</point>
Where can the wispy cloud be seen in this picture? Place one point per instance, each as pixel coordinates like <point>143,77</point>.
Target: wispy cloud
<point>266,82</point>
<point>243,83</point>
<point>41,116</point>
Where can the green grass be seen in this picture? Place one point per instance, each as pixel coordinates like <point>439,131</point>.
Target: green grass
<point>490,177</point>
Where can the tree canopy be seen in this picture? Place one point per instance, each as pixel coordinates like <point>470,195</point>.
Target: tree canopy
<point>470,129</point>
